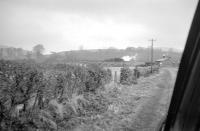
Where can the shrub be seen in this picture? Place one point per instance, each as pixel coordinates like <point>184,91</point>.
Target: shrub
<point>97,78</point>
<point>49,97</point>
<point>20,89</point>
<point>127,76</point>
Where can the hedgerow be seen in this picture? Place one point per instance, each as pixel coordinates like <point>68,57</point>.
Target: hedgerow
<point>52,97</point>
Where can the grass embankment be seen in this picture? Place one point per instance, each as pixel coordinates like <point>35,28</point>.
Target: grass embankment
<point>133,107</point>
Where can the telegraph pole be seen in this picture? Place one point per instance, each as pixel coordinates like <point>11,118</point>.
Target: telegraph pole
<point>152,40</point>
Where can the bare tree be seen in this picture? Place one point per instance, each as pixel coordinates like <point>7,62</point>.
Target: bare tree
<point>38,50</point>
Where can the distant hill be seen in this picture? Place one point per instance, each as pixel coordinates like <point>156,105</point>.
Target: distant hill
<point>143,54</point>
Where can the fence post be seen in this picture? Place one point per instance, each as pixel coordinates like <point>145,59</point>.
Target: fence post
<point>115,77</point>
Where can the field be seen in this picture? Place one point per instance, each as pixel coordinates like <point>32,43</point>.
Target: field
<point>78,98</point>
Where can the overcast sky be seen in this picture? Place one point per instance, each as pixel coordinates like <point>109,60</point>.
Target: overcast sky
<point>68,24</point>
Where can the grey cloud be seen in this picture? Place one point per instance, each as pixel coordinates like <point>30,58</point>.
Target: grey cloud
<point>169,19</point>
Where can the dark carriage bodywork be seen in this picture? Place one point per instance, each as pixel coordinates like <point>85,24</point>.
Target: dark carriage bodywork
<point>184,110</point>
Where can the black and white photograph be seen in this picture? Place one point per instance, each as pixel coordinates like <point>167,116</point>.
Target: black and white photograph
<point>99,65</point>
